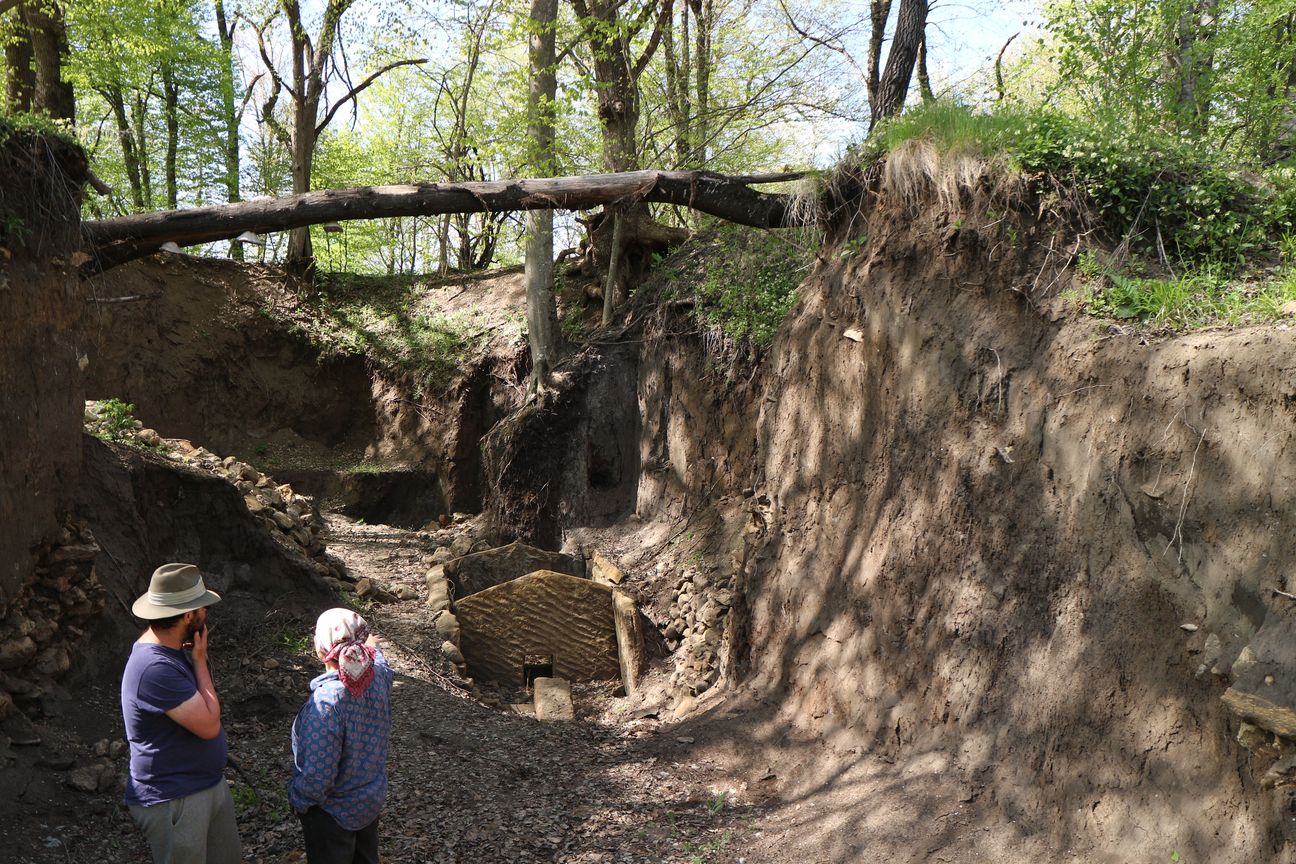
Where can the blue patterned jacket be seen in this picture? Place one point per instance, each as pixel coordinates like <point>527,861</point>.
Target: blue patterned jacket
<point>339,747</point>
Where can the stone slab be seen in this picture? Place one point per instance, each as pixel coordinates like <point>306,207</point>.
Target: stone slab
<point>603,571</point>
<point>481,570</point>
<point>553,699</point>
<point>630,641</point>
<point>545,612</point>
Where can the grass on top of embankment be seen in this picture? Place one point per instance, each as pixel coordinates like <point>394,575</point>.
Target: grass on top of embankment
<point>1200,239</point>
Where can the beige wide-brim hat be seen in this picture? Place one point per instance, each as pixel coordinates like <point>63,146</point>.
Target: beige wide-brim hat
<point>174,590</point>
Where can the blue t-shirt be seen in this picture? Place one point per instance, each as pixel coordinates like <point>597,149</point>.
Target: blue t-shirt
<point>167,761</point>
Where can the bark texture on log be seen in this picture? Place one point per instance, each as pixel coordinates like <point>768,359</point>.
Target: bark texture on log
<point>116,241</point>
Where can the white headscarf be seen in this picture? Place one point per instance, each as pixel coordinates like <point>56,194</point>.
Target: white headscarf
<point>340,636</point>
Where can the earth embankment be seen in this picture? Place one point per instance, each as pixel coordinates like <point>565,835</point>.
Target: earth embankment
<point>987,529</point>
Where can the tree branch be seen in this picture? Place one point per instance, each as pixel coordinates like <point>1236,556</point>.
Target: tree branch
<point>823,42</point>
<point>663,18</point>
<point>355,91</point>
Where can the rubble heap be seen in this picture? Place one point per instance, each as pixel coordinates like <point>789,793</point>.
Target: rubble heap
<point>291,519</point>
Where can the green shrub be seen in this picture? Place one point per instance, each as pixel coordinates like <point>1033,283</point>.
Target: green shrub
<point>1203,297</point>
<point>1162,194</point>
<point>749,285</point>
<point>116,421</point>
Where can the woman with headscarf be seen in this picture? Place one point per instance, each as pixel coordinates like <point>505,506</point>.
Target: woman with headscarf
<point>339,742</point>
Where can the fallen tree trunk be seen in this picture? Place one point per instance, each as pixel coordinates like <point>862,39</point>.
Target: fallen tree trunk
<point>115,241</point>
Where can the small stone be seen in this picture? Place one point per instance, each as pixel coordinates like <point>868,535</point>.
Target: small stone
<point>270,664</point>
<point>1269,679</point>
<point>53,661</point>
<point>685,739</point>
<point>1251,737</point>
<point>441,555</point>
<point>1188,628</point>
<point>1245,661</point>
<point>447,626</point>
<point>364,587</point>
<point>405,592</point>
<point>461,546</point>
<point>16,652</point>
<point>85,779</point>
<point>101,747</point>
<point>117,749</point>
<point>452,653</point>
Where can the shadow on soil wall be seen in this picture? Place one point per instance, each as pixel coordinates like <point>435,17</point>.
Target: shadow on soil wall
<point>40,306</point>
<point>980,521</point>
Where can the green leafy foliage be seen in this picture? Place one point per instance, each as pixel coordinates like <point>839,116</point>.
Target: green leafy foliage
<point>749,285</point>
<point>1158,193</point>
<point>117,421</point>
<point>28,123</point>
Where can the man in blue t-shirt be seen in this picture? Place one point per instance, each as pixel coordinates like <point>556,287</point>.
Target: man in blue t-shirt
<point>177,792</point>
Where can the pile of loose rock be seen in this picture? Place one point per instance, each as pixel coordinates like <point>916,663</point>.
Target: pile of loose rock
<point>291,519</point>
<point>702,600</point>
<point>38,625</point>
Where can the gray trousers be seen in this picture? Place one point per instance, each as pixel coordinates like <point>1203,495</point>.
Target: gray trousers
<point>195,829</point>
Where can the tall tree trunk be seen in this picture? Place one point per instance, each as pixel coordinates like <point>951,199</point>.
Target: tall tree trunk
<point>675,90</point>
<point>20,70</point>
<point>911,23</point>
<point>879,14</point>
<point>48,36</point>
<point>704,23</point>
<point>924,81</point>
<point>1191,64</point>
<point>229,116</point>
<point>139,120</point>
<point>170,110</point>
<point>126,139</point>
<point>539,248</point>
<point>617,71</point>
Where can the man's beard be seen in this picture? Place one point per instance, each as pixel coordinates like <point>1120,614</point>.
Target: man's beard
<point>193,627</point>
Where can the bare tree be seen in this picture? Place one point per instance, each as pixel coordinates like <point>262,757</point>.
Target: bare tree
<point>312,66</point>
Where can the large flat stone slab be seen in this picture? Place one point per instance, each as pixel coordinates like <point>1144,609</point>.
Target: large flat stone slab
<point>545,612</point>
<point>482,570</point>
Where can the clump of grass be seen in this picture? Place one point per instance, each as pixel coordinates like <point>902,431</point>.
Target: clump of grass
<point>952,127</point>
<point>1203,297</point>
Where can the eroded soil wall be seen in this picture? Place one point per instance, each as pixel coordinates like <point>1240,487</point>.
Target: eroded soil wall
<point>982,520</point>
<point>41,306</point>
<point>192,344</point>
